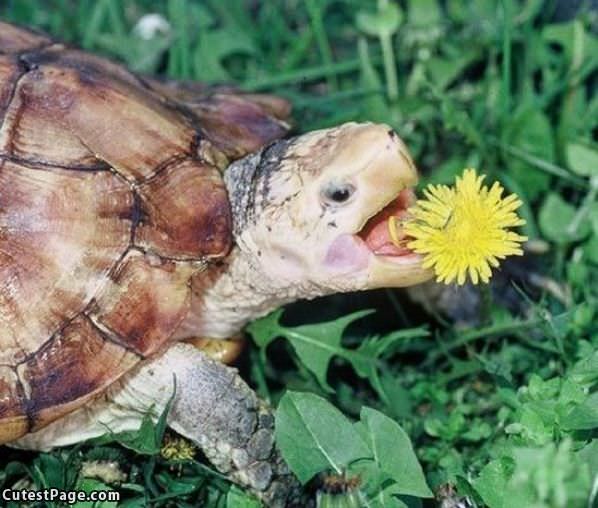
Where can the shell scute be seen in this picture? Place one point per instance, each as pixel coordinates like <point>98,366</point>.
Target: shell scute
<point>78,353</point>
<point>144,301</point>
<point>10,71</point>
<point>77,115</point>
<point>107,210</point>
<point>61,232</point>
<point>195,195</point>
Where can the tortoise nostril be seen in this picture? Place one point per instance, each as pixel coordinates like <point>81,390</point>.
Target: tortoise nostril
<point>392,134</point>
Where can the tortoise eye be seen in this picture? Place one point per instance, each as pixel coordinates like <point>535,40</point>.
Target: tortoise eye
<point>337,193</point>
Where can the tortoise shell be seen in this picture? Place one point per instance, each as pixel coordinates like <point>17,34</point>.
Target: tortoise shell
<point>110,201</point>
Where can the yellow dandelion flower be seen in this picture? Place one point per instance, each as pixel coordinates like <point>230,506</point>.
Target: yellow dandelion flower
<point>463,230</point>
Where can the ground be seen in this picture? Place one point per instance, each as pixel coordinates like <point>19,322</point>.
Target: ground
<point>489,390</point>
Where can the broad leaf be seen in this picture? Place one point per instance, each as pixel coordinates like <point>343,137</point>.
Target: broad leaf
<point>492,481</point>
<point>314,436</point>
<point>384,22</point>
<point>424,13</point>
<point>556,220</point>
<point>582,159</point>
<point>584,416</point>
<point>530,130</point>
<point>589,455</point>
<point>393,453</point>
<point>585,371</point>
<point>90,485</point>
<point>315,344</point>
<point>236,498</point>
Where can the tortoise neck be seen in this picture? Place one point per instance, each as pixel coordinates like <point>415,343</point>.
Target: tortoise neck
<point>234,291</point>
<point>248,283</point>
<point>228,295</point>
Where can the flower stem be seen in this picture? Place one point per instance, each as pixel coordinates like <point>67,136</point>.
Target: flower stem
<point>314,10</point>
<point>486,300</point>
<point>506,57</point>
<point>584,209</point>
<point>390,70</point>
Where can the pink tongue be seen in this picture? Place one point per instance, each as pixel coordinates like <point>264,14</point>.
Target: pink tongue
<point>375,233</point>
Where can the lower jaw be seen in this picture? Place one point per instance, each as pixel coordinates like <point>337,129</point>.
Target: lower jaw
<point>404,259</point>
<point>397,272</point>
<point>349,257</point>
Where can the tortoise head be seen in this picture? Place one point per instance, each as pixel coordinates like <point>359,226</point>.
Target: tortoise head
<point>313,210</point>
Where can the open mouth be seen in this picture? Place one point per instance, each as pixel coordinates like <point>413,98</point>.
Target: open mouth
<point>376,233</point>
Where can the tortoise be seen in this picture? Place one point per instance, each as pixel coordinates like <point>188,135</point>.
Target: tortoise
<point>139,218</point>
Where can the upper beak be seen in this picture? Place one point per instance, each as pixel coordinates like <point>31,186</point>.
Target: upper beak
<point>389,174</point>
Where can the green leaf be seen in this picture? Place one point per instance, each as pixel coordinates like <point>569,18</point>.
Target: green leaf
<point>143,440</point>
<point>564,34</point>
<point>392,452</point>
<point>314,436</point>
<point>556,220</point>
<point>236,498</point>
<point>492,481</point>
<point>424,13</point>
<point>589,455</point>
<point>530,130</point>
<point>215,46</point>
<point>585,371</point>
<point>582,159</point>
<point>49,471</point>
<point>584,416</point>
<point>384,22</point>
<point>443,71</point>
<point>89,485</point>
<point>147,440</point>
<point>374,347</point>
<point>266,329</point>
<point>397,398</point>
<point>315,344</point>
<point>590,249</point>
<point>374,104</point>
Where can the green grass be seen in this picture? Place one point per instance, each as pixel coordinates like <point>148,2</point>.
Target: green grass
<point>498,393</point>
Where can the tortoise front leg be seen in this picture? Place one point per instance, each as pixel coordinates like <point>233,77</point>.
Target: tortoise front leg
<point>213,407</point>
<point>216,409</point>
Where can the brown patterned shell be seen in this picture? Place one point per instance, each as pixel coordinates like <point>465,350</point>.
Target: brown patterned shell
<point>107,208</point>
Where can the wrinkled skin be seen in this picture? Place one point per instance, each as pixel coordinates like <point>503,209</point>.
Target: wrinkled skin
<point>309,220</point>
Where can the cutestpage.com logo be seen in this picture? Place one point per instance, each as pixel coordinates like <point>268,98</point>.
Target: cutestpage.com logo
<point>58,496</point>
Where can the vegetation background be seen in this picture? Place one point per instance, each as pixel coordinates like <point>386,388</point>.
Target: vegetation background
<point>483,397</point>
